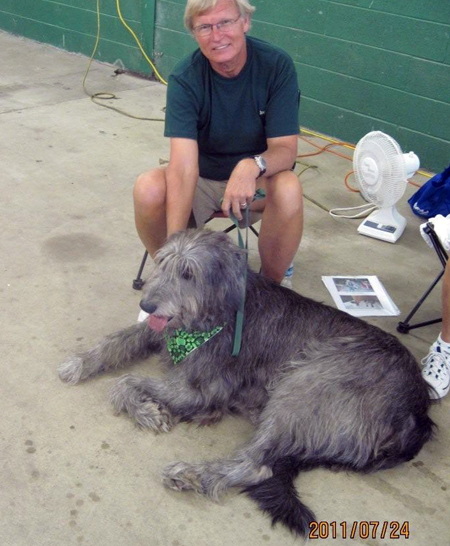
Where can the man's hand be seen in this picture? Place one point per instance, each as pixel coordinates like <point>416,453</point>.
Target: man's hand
<point>280,156</point>
<point>240,188</point>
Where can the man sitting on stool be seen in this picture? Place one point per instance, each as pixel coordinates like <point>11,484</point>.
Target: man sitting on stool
<point>232,119</point>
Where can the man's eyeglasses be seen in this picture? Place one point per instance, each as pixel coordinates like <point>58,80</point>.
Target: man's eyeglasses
<point>224,26</point>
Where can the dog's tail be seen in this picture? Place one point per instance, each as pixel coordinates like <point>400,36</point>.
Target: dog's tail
<point>278,497</point>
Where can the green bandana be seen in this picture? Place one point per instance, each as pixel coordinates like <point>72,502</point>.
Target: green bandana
<point>181,343</point>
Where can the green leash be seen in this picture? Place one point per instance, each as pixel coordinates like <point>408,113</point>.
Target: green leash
<point>259,194</point>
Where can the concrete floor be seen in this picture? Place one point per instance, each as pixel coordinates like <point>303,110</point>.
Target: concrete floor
<point>71,471</point>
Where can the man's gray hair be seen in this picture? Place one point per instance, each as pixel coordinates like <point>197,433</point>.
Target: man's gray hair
<point>196,7</point>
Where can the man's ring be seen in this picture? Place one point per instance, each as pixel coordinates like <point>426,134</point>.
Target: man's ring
<point>243,205</point>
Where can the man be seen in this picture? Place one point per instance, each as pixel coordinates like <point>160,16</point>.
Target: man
<point>232,119</point>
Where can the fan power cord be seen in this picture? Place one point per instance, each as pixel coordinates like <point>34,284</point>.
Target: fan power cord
<point>367,208</point>
<point>102,95</point>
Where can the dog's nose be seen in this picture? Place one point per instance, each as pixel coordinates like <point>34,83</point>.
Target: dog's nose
<point>148,307</point>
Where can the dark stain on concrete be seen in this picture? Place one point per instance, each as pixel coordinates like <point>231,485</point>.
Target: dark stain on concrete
<point>74,247</point>
<point>94,497</point>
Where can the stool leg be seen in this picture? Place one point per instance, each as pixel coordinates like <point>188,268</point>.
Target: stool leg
<point>138,283</point>
<point>254,231</point>
<point>230,228</point>
<point>404,327</point>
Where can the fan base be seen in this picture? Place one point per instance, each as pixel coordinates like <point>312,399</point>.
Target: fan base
<point>384,224</point>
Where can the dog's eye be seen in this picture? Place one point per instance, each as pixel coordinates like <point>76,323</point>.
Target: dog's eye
<point>187,275</point>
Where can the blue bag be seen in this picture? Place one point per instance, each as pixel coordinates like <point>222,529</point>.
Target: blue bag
<point>433,197</point>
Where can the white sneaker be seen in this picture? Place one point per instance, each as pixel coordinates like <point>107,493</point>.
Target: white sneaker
<point>142,316</point>
<point>436,371</point>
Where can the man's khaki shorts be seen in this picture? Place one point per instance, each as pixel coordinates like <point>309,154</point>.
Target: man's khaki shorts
<point>207,201</point>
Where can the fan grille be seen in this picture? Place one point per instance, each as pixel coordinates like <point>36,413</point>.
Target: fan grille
<point>388,185</point>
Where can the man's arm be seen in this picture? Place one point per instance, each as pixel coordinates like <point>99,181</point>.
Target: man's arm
<point>181,178</point>
<point>279,156</point>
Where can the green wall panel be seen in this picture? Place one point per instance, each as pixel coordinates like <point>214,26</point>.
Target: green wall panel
<point>173,43</point>
<point>170,15</point>
<point>362,64</point>
<point>130,10</point>
<point>70,18</point>
<point>167,63</point>
<point>391,32</point>
<point>429,80</point>
<point>347,124</point>
<point>437,11</point>
<point>72,25</point>
<point>377,101</point>
<point>305,15</point>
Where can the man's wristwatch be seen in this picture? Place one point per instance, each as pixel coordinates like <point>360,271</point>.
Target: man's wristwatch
<point>261,162</point>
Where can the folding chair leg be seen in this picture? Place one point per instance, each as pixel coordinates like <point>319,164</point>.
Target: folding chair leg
<point>404,327</point>
<point>230,228</point>
<point>254,231</point>
<point>138,283</point>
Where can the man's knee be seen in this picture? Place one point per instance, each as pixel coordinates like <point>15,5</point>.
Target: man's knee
<point>150,189</point>
<point>284,189</point>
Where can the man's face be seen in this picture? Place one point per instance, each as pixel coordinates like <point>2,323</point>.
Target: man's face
<point>223,46</point>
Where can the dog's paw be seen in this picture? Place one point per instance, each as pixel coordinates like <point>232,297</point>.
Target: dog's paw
<point>151,415</point>
<point>71,370</point>
<point>181,477</point>
<point>128,396</point>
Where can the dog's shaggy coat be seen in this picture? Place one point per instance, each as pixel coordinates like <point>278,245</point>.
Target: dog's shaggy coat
<point>322,388</point>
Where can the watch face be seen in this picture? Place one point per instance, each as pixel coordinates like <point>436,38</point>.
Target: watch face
<point>261,163</point>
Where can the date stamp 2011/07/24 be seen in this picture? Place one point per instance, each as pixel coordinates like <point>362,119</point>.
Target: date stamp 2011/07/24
<point>359,529</point>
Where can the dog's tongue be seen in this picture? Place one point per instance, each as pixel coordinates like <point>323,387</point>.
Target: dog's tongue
<point>157,323</point>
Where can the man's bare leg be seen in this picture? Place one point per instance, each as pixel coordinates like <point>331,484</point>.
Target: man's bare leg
<point>149,197</point>
<point>282,224</point>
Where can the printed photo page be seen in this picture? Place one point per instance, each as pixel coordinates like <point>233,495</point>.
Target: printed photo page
<point>361,296</point>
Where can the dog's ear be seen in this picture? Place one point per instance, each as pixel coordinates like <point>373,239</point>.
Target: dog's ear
<point>229,280</point>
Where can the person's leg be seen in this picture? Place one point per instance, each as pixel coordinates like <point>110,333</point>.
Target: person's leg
<point>436,370</point>
<point>149,197</point>
<point>282,224</point>
<point>445,333</point>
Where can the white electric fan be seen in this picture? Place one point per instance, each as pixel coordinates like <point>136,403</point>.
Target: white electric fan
<point>382,171</point>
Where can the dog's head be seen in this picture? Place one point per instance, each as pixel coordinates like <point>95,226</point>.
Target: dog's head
<point>198,280</point>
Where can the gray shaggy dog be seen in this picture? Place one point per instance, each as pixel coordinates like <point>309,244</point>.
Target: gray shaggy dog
<point>323,388</point>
